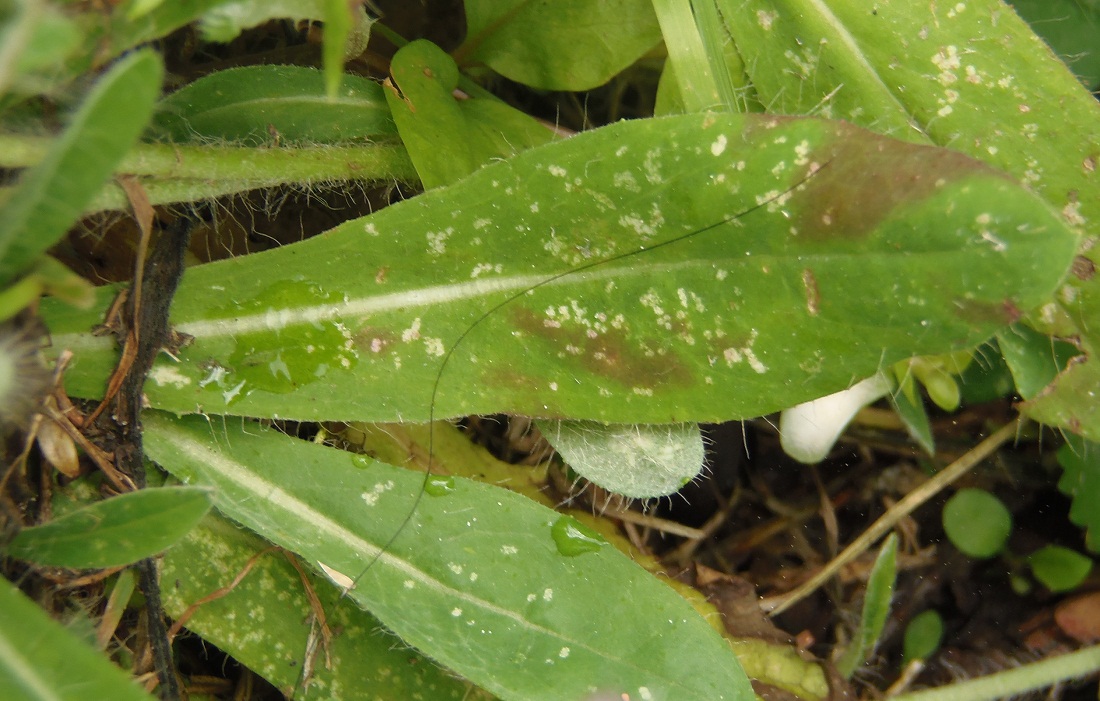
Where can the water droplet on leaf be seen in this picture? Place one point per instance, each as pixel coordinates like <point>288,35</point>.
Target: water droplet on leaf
<point>574,538</point>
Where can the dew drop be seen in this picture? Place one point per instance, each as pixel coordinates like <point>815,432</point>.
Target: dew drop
<point>574,538</point>
<point>439,485</point>
<point>361,461</point>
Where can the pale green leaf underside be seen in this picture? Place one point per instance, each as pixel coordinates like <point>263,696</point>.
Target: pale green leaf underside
<point>889,250</point>
<point>487,592</point>
<point>368,663</point>
<point>636,460</point>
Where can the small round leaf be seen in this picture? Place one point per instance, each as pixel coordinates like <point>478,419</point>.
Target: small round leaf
<point>976,522</point>
<point>923,636</point>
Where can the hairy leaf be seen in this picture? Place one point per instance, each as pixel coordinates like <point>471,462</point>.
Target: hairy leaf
<point>701,268</point>
<point>40,659</point>
<point>492,590</point>
<point>367,662</point>
<point>113,532</point>
<point>244,104</point>
<point>51,196</point>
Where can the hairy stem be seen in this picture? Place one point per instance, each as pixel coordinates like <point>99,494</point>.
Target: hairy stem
<point>184,172</point>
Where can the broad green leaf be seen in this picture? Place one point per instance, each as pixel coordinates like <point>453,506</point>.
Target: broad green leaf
<point>52,195</point>
<point>41,661</point>
<point>637,461</point>
<point>449,138</point>
<point>113,532</point>
<point>565,45</point>
<point>977,522</point>
<point>970,75</point>
<point>1080,481</point>
<point>225,20</point>
<point>1059,569</point>
<point>1072,28</point>
<point>367,662</point>
<point>876,607</point>
<point>244,104</point>
<point>513,615</point>
<point>678,277</point>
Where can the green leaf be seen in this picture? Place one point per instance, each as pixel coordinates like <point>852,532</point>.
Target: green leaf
<point>922,636</point>
<point>677,278</point>
<point>512,615</point>
<point>565,45</point>
<point>368,663</point>
<point>1080,461</point>
<point>1072,28</point>
<point>782,666</point>
<point>1059,569</point>
<point>1033,358</point>
<point>970,75</point>
<point>36,38</point>
<point>913,415</point>
<point>113,532</point>
<point>53,194</point>
<point>975,77</point>
<point>242,104</point>
<point>637,461</point>
<point>225,20</point>
<point>41,661</point>
<point>977,523</point>
<point>449,138</point>
<point>876,607</point>
<point>1070,401</point>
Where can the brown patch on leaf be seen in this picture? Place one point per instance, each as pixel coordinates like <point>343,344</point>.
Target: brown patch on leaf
<point>612,354</point>
<point>866,177</point>
<point>1083,268</point>
<point>980,313</point>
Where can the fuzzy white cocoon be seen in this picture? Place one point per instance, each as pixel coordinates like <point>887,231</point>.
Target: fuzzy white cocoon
<point>808,431</point>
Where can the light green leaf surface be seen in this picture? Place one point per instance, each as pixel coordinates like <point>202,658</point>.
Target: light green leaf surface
<point>113,532</point>
<point>367,662</point>
<point>1033,358</point>
<point>1058,568</point>
<point>923,636</point>
<point>41,661</point>
<point>889,250</point>
<point>637,461</point>
<point>876,607</point>
<point>564,45</point>
<point>449,138</point>
<point>914,417</point>
<point>240,104</point>
<point>486,590</point>
<point>977,522</point>
<point>972,76</point>
<point>1080,481</point>
<point>1072,28</point>
<point>52,195</point>
<point>225,20</point>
